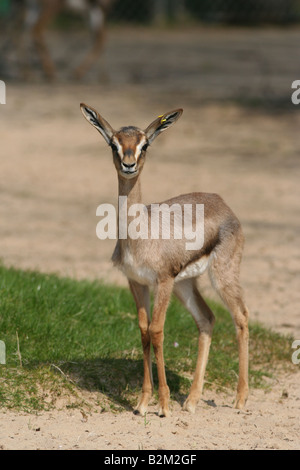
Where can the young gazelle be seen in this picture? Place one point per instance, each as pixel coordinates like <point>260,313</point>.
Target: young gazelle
<point>166,265</point>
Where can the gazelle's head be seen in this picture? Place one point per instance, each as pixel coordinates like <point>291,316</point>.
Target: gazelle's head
<point>129,144</point>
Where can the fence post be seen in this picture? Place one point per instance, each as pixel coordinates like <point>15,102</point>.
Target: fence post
<point>160,11</point>
<point>179,11</point>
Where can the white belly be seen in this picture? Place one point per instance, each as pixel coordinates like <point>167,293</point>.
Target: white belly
<point>147,276</point>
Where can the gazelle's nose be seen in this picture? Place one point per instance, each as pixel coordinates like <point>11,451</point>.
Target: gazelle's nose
<point>128,166</point>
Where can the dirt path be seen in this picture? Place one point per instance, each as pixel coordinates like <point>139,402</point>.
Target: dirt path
<point>55,171</point>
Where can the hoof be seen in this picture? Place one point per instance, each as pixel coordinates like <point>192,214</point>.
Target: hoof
<point>189,406</point>
<point>140,410</point>
<point>240,402</point>
<point>164,412</point>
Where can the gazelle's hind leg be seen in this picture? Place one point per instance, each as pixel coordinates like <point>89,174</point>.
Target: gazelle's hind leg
<point>188,293</point>
<point>224,273</point>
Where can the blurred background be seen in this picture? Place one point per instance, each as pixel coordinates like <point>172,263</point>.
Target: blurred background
<point>229,64</point>
<point>217,49</point>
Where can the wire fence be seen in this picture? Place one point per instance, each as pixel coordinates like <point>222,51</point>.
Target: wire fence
<point>250,12</point>
<point>246,12</point>
<point>251,61</point>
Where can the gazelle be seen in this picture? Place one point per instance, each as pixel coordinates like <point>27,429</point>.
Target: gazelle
<point>166,265</point>
<point>34,16</point>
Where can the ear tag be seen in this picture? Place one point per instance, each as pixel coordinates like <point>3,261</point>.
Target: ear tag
<point>162,118</point>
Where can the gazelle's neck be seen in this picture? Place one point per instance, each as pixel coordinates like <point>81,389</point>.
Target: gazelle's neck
<point>131,188</point>
<point>129,194</point>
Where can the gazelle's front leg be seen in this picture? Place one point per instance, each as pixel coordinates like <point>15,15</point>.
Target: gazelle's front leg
<point>161,301</point>
<point>142,300</point>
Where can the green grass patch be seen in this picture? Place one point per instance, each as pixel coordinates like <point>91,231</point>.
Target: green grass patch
<point>77,344</point>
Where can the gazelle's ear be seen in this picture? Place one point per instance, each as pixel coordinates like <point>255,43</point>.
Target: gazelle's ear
<point>94,118</point>
<point>162,123</point>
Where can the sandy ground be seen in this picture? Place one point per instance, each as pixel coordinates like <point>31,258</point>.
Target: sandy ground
<point>271,421</point>
<point>56,170</point>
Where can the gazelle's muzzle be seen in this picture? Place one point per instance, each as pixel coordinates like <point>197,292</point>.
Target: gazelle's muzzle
<point>129,169</point>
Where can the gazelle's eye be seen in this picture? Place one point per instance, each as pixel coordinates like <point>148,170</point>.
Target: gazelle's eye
<point>113,147</point>
<point>144,148</point>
